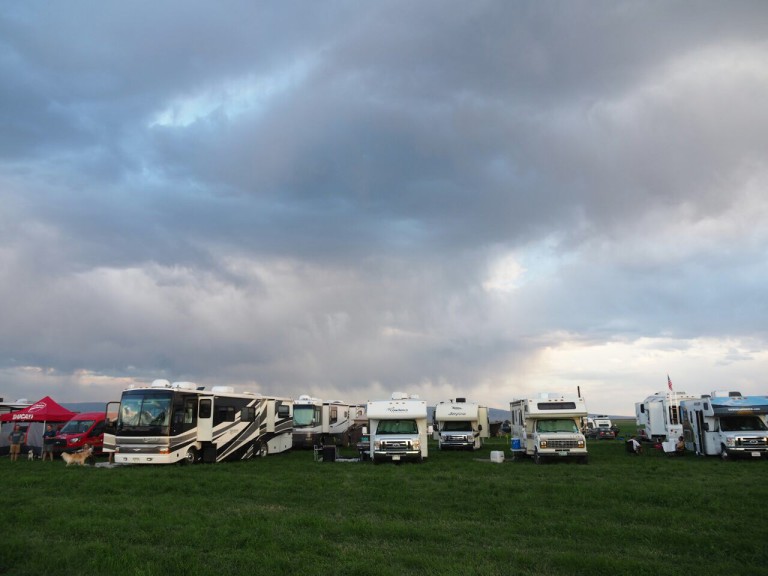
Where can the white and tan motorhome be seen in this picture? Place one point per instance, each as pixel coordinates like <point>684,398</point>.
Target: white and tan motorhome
<point>548,427</point>
<point>398,428</point>
<point>319,422</point>
<point>460,424</point>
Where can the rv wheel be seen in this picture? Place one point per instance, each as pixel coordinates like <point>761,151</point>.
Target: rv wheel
<point>536,458</point>
<point>263,449</point>
<point>723,453</point>
<point>190,457</point>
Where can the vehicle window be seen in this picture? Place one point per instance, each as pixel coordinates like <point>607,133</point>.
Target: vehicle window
<point>556,426</point>
<point>397,427</point>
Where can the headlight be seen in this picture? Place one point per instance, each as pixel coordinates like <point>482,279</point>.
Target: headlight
<point>416,444</point>
<point>730,441</point>
<point>74,440</point>
<point>581,443</point>
<point>543,444</point>
<point>376,444</point>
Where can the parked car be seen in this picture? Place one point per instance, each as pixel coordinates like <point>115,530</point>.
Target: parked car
<point>364,447</point>
<point>82,429</point>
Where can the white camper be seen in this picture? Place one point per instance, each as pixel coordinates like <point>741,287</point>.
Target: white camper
<point>180,422</point>
<point>548,427</point>
<point>726,424</point>
<point>398,428</point>
<point>460,424</point>
<point>657,416</point>
<point>317,422</point>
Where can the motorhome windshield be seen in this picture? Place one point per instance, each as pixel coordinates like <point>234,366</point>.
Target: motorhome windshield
<point>741,423</point>
<point>456,426</point>
<point>146,411</point>
<point>305,416</point>
<point>397,427</point>
<point>76,426</point>
<point>558,425</point>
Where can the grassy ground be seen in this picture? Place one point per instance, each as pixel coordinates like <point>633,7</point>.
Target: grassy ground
<point>456,514</point>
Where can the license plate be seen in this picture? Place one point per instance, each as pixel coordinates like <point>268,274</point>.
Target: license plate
<point>396,457</point>
<point>755,454</point>
<point>562,452</point>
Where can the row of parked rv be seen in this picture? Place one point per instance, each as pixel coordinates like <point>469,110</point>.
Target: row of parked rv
<point>723,423</point>
<point>181,422</point>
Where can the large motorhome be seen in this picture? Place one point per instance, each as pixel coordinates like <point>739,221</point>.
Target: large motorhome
<point>398,428</point>
<point>657,416</point>
<point>180,422</point>
<point>726,424</point>
<point>460,424</point>
<point>548,427</point>
<point>317,422</point>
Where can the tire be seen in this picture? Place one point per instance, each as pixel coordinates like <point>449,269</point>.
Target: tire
<point>191,457</point>
<point>537,459</point>
<point>723,454</point>
<point>263,451</point>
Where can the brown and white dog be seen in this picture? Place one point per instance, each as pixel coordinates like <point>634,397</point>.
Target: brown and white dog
<point>77,457</point>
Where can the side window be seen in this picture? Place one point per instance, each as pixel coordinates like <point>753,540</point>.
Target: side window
<point>205,408</point>
<point>283,411</point>
<point>98,430</point>
<point>334,414</point>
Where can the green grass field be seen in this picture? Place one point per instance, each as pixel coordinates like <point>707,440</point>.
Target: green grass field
<point>456,514</point>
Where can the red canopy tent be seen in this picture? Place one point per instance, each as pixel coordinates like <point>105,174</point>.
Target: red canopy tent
<point>34,418</point>
<point>45,410</point>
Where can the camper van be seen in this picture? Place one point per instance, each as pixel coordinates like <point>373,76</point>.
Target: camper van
<point>548,427</point>
<point>726,424</point>
<point>398,428</point>
<point>166,423</point>
<point>317,422</point>
<point>460,424</point>
<point>657,416</point>
<point>82,429</point>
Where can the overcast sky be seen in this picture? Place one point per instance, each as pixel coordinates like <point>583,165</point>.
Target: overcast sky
<point>345,199</point>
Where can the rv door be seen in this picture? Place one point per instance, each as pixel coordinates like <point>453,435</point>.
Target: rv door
<point>110,425</point>
<point>205,420</point>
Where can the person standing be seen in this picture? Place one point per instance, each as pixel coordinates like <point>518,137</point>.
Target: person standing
<point>48,439</point>
<point>16,438</point>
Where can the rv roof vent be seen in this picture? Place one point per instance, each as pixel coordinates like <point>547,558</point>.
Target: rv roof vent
<point>304,398</point>
<point>399,396</point>
<point>461,399</point>
<point>161,383</point>
<point>720,394</point>
<point>223,389</point>
<point>185,385</point>
<point>734,394</point>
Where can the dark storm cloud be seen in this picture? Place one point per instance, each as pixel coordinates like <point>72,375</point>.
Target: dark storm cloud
<point>364,197</point>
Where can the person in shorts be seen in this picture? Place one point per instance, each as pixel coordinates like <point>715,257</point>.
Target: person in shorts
<point>16,439</point>
<point>48,439</point>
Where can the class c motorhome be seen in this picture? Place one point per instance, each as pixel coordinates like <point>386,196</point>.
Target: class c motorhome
<point>398,428</point>
<point>460,424</point>
<point>726,424</point>
<point>548,427</point>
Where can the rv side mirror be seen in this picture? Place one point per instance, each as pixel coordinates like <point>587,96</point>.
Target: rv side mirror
<point>480,427</point>
<point>706,426</point>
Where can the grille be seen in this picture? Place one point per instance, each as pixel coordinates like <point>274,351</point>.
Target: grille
<point>751,443</point>
<point>558,444</point>
<point>395,445</point>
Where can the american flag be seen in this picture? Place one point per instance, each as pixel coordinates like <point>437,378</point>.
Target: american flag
<point>669,383</point>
